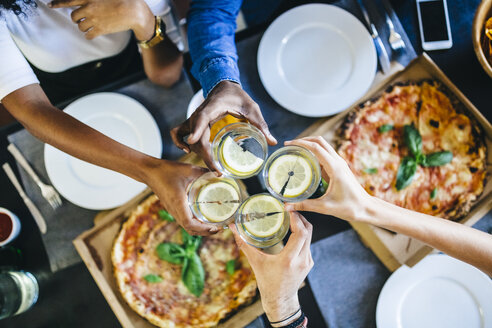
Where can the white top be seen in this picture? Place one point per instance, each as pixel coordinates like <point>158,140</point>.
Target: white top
<point>53,43</point>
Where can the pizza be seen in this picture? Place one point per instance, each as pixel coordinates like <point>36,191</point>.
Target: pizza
<point>373,140</point>
<point>164,300</point>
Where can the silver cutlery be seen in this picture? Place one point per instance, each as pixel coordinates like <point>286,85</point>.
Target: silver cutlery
<point>30,205</point>
<point>395,40</point>
<point>383,57</point>
<point>49,193</point>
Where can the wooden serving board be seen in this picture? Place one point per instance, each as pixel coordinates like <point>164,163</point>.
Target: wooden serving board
<point>95,245</point>
<point>396,249</point>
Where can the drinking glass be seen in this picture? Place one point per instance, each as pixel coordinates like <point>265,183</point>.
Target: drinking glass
<point>278,184</point>
<point>245,156</point>
<point>19,291</point>
<point>244,215</point>
<point>205,198</point>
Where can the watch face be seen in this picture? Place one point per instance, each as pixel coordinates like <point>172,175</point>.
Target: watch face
<point>162,25</point>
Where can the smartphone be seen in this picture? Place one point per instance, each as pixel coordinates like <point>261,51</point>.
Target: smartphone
<point>435,31</point>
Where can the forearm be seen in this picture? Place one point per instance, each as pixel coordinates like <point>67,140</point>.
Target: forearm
<point>459,241</point>
<point>30,107</point>
<point>211,30</point>
<point>162,62</point>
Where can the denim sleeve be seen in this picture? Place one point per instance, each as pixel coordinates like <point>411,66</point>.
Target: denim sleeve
<point>211,28</point>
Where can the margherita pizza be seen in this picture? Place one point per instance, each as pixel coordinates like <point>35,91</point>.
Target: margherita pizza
<point>419,135</point>
<point>153,287</point>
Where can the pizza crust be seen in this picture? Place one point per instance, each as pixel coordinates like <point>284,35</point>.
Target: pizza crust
<point>444,125</point>
<point>169,303</point>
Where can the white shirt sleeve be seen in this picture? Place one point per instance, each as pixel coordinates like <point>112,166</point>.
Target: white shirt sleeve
<point>15,72</point>
<point>163,9</point>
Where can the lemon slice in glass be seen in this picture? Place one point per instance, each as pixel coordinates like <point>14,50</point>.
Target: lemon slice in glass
<point>238,160</point>
<point>295,169</point>
<point>218,201</point>
<point>269,225</point>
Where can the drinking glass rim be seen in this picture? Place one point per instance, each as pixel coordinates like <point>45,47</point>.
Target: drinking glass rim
<point>234,125</point>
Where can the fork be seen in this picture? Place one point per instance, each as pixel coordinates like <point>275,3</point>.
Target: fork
<point>395,40</point>
<point>49,193</point>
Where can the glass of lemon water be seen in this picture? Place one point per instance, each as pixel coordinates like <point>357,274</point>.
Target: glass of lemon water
<point>292,174</point>
<point>239,150</point>
<point>215,199</point>
<point>262,221</point>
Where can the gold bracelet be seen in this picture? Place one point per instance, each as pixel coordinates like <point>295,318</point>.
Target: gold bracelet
<point>158,36</point>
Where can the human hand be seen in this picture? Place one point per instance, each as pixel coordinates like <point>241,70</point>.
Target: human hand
<point>345,198</point>
<point>226,98</point>
<point>100,17</point>
<point>279,276</point>
<point>170,181</point>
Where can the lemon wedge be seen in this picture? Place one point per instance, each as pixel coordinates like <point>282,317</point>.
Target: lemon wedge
<point>218,201</point>
<point>294,169</point>
<point>237,160</point>
<point>269,225</point>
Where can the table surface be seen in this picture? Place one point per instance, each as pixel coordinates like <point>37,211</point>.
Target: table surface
<point>70,298</point>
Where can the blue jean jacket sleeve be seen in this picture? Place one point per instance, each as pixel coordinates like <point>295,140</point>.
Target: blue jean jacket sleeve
<point>211,28</point>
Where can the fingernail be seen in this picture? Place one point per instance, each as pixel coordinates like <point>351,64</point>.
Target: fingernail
<point>186,150</point>
<point>289,208</point>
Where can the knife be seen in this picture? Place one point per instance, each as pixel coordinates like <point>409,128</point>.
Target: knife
<point>383,57</point>
<point>30,205</point>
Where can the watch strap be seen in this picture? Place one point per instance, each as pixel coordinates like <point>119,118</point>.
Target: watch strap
<point>158,37</point>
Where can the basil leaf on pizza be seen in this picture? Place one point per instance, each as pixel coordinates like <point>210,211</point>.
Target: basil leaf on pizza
<point>189,241</point>
<point>164,215</point>
<point>438,158</point>
<point>371,170</point>
<point>194,243</point>
<point>406,171</point>
<point>152,278</point>
<point>433,193</point>
<point>385,128</point>
<point>231,267</point>
<point>413,139</point>
<point>171,252</point>
<point>193,275</point>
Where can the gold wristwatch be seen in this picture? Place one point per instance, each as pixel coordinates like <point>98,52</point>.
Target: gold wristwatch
<point>158,37</point>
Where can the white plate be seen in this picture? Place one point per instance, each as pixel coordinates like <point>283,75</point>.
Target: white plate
<point>316,60</point>
<point>439,291</point>
<point>195,101</point>
<point>121,118</point>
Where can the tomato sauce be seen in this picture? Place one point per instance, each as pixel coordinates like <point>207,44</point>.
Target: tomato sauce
<point>5,226</point>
